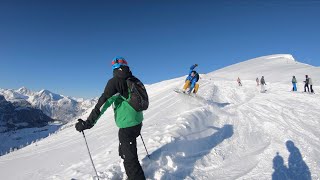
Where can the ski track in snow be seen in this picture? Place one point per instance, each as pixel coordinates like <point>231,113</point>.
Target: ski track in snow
<point>226,132</point>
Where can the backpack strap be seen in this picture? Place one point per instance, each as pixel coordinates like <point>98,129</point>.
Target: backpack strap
<point>129,91</point>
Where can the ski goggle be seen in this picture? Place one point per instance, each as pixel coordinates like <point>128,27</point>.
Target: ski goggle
<point>121,61</point>
<point>118,62</point>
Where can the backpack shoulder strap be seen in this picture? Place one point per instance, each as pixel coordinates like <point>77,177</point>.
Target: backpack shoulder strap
<point>129,90</point>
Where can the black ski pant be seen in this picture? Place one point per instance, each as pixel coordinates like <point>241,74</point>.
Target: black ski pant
<point>311,89</point>
<point>128,152</point>
<point>306,86</point>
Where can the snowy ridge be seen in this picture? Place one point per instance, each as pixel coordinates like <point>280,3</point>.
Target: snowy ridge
<point>228,132</point>
<point>275,68</point>
<point>53,105</point>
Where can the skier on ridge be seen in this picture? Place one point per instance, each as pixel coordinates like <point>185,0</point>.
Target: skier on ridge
<point>311,84</point>
<point>257,80</point>
<point>191,81</point>
<point>263,83</point>
<point>294,83</point>
<point>239,82</point>
<point>306,84</point>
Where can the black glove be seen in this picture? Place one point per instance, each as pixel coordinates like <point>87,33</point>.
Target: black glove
<point>82,125</point>
<point>196,64</point>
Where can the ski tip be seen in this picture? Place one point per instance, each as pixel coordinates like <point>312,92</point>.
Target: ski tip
<point>178,91</point>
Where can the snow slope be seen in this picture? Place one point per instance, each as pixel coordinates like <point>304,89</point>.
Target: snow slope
<point>227,132</point>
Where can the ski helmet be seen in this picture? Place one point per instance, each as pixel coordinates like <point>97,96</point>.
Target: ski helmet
<point>118,61</point>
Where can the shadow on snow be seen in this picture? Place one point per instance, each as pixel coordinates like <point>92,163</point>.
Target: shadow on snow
<point>176,160</point>
<point>297,169</point>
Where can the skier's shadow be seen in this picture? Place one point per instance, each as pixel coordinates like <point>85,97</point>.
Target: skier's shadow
<point>221,105</point>
<point>297,168</point>
<point>211,102</point>
<point>176,160</point>
<point>281,171</point>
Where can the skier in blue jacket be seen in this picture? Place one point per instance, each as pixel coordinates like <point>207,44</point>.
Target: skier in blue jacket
<point>191,80</point>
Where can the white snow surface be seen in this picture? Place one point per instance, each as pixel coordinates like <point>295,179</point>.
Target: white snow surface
<point>227,132</point>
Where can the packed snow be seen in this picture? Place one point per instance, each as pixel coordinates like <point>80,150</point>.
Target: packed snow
<point>225,132</point>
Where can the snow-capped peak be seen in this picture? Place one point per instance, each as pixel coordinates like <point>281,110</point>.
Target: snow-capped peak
<point>279,56</point>
<point>25,91</point>
<point>45,92</point>
<point>275,68</point>
<point>48,94</point>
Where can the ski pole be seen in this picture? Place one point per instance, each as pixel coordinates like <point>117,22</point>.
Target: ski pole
<point>90,154</point>
<point>145,146</point>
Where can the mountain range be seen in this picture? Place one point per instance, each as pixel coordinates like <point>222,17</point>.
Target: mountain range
<point>24,113</point>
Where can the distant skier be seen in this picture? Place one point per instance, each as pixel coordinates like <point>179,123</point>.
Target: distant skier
<point>311,83</point>
<point>306,84</point>
<point>257,80</point>
<point>191,81</point>
<point>294,83</point>
<point>263,83</point>
<point>239,82</point>
<point>127,118</point>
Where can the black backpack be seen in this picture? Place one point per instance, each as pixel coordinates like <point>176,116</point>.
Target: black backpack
<point>138,96</point>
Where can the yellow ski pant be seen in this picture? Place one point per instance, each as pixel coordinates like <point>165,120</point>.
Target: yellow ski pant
<point>187,85</point>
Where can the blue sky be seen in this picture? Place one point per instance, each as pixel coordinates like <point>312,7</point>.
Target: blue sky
<point>67,46</point>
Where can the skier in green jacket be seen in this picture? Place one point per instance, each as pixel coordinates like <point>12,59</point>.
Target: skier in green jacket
<point>127,118</point>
